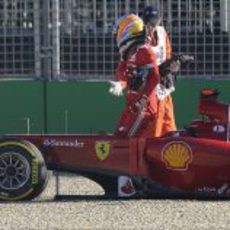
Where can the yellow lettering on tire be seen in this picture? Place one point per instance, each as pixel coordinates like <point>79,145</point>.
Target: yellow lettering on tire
<point>34,172</point>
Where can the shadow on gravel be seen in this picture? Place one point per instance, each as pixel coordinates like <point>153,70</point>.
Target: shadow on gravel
<point>93,198</point>
<point>96,198</point>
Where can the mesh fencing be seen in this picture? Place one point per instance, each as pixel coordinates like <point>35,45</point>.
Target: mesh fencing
<point>17,39</point>
<point>73,39</point>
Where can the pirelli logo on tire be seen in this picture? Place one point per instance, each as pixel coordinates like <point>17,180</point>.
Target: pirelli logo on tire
<point>34,172</point>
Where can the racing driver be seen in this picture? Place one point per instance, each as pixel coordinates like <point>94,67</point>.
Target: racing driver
<point>138,72</point>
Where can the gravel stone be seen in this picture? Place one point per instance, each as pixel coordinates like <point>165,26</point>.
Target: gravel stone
<point>45,213</point>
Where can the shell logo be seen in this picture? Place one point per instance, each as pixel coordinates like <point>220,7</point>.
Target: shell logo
<point>177,155</point>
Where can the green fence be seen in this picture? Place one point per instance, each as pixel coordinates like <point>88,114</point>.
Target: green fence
<point>83,107</point>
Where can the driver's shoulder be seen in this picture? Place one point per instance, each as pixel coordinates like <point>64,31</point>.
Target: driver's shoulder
<point>145,51</point>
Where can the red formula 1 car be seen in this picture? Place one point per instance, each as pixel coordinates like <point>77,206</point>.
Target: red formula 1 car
<point>194,162</point>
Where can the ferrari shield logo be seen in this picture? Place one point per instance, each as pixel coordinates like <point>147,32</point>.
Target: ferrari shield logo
<point>102,149</point>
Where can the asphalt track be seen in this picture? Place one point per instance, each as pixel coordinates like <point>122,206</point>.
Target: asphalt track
<point>45,213</point>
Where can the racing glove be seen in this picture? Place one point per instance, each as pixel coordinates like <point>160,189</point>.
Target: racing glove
<point>162,92</point>
<point>116,88</point>
<point>175,66</point>
<point>167,81</point>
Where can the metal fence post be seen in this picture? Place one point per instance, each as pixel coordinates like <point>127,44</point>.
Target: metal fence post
<point>37,39</point>
<point>46,46</point>
<point>55,39</point>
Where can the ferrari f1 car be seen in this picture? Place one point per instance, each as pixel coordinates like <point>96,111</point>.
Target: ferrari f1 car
<point>194,162</point>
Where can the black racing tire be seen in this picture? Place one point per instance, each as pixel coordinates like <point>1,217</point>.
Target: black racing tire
<point>23,172</point>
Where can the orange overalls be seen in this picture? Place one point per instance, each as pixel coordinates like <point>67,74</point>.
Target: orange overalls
<point>165,115</point>
<point>139,57</point>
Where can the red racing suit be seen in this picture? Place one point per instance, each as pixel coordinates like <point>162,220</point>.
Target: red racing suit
<point>141,57</point>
